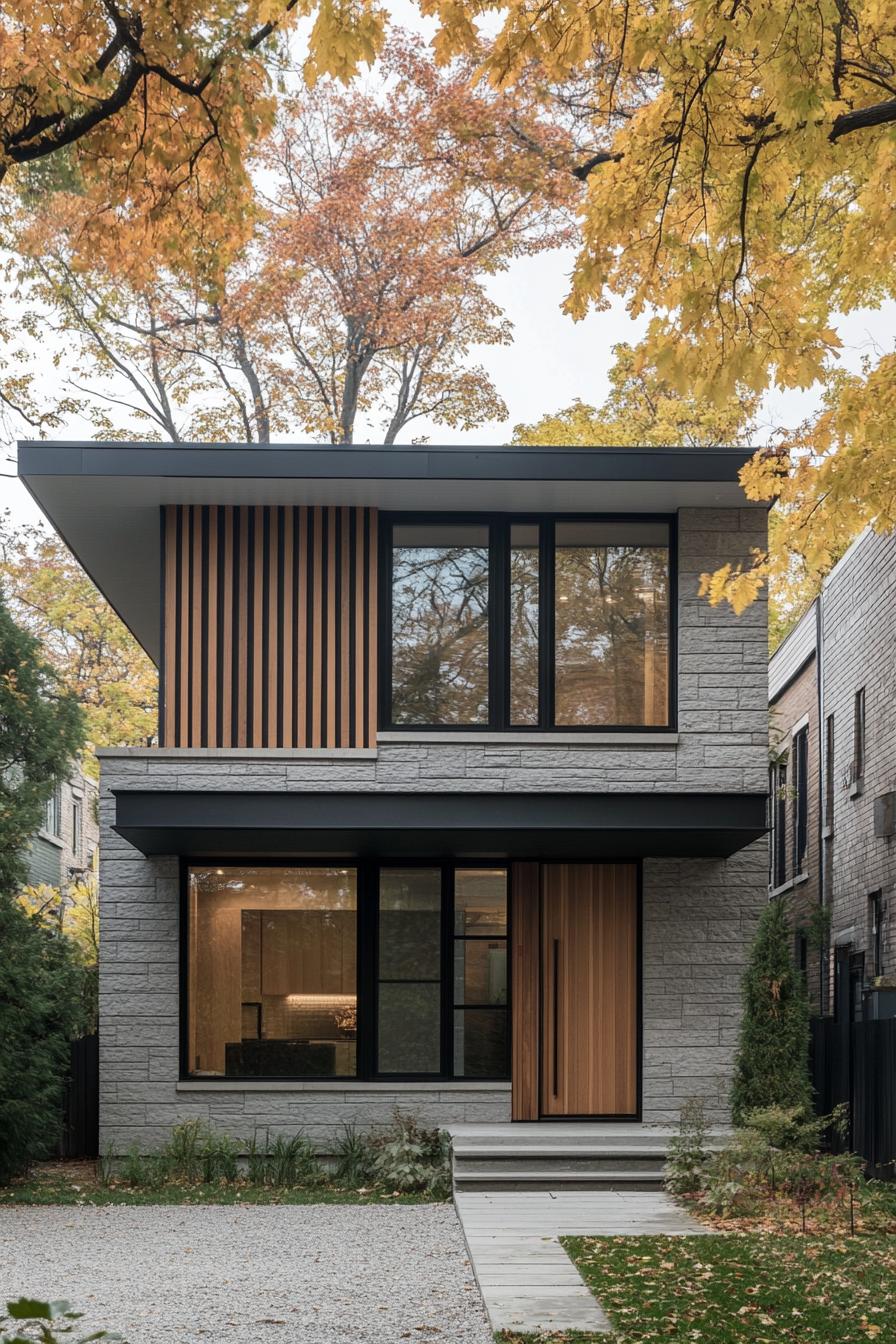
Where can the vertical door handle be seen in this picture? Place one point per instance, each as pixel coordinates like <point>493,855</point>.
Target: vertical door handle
<point>556,987</point>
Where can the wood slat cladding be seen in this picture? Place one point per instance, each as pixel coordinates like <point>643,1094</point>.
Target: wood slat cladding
<point>269,626</point>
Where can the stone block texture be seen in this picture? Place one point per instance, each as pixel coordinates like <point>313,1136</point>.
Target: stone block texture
<point>859,650</point>
<point>698,913</point>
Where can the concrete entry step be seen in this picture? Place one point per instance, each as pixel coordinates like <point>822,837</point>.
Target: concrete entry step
<point>509,1182</point>
<point>582,1157</point>
<point>561,1155</point>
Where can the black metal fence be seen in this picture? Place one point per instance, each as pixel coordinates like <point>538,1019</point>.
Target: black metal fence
<point>855,1063</point>
<point>81,1105</point>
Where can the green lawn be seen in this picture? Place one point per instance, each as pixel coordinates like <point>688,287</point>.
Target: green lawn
<point>741,1289</point>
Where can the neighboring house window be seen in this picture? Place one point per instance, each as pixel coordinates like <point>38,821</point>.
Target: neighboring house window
<point>858,737</point>
<point>53,816</point>
<point>875,932</point>
<point>291,975</point>
<point>800,824</point>
<point>77,828</point>
<point>829,772</point>
<point>802,953</point>
<point>779,823</point>
<point>539,624</point>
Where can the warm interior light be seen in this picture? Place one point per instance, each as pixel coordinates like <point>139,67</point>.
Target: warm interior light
<point>321,998</point>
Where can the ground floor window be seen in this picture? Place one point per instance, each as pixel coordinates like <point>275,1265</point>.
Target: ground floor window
<point>324,971</point>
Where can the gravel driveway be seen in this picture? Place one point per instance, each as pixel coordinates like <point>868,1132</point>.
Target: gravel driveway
<point>325,1274</point>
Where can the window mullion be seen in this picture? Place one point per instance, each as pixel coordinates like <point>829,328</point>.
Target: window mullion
<point>546,625</point>
<point>498,626</point>
<point>447,1039</point>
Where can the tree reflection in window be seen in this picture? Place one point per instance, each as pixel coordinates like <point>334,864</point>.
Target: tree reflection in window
<point>611,629</point>
<point>440,595</point>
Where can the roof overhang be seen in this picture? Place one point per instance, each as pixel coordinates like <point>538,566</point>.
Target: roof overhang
<point>439,825</point>
<point>103,498</point>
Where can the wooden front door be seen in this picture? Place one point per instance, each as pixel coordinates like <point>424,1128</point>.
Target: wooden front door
<point>589,989</point>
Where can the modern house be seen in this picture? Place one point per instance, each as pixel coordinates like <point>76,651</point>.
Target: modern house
<point>833,781</point>
<point>459,802</point>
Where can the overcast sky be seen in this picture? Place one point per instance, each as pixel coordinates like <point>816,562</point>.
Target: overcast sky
<point>552,359</point>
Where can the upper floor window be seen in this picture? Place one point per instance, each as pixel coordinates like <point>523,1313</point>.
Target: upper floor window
<point>77,828</point>
<point>777,788</point>
<point>829,772</point>
<point>53,812</point>
<point>800,798</point>
<point>858,737</point>
<point>532,624</point>
<point>875,932</point>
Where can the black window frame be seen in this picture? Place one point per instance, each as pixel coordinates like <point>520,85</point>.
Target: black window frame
<point>876,932</point>
<point>778,825</point>
<point>499,526</point>
<point>800,815</point>
<point>829,730</point>
<point>367,945</point>
<point>859,740</point>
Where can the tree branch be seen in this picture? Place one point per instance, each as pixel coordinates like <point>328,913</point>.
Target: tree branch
<point>863,118</point>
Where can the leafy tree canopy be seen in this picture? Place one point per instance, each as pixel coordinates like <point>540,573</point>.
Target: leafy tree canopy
<point>96,662</point>
<point>642,407</point>
<point>41,731</point>
<point>382,210</point>
<point>148,106</point>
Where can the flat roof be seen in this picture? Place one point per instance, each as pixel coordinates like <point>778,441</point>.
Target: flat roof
<point>103,498</point>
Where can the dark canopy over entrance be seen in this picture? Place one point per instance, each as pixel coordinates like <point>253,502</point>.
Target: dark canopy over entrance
<point>411,825</point>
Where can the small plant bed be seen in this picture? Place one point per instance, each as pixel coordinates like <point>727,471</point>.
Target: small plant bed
<point>53,1183</point>
<point>404,1164</point>
<point>743,1289</point>
<point>772,1176</point>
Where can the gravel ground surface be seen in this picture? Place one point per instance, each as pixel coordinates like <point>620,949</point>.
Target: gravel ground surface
<point>313,1274</point>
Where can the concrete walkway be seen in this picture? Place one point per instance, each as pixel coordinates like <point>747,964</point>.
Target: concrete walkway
<point>526,1278</point>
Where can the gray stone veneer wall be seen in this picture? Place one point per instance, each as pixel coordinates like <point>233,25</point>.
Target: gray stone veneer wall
<point>698,914</point>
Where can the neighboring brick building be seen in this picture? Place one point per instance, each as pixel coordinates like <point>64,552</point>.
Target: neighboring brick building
<point>858,635</point>
<point>833,678</point>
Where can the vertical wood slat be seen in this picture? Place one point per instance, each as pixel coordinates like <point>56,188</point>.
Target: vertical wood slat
<point>302,634</point>
<point>242,658</point>
<point>287,613</point>
<point>183,629</point>
<point>258,630</point>
<point>196,629</point>
<point>317,633</point>
<point>226,671</point>
<point>371,561</point>
<point>524,979</point>
<point>211,658</point>
<point>269,612</point>
<point>332,580</point>
<point>272,724</point>
<point>167,720</point>
<point>344,608</point>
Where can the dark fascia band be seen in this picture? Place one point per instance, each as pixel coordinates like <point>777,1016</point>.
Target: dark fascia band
<point>553,825</point>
